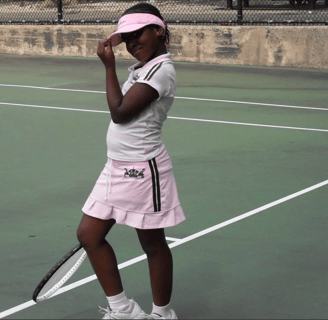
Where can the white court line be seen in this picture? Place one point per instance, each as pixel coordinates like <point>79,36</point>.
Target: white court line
<point>48,107</point>
<point>172,239</point>
<point>249,124</point>
<point>253,103</point>
<point>185,98</point>
<point>48,88</point>
<point>172,245</point>
<point>176,118</point>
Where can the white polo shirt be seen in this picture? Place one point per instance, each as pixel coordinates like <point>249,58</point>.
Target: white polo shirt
<point>141,138</point>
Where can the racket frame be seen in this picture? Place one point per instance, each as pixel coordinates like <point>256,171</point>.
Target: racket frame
<point>60,283</point>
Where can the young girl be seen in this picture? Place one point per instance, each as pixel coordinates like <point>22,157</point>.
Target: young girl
<point>137,186</point>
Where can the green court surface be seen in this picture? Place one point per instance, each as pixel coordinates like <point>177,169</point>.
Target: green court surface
<point>240,139</point>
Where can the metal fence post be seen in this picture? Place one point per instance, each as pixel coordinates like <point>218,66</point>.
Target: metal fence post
<point>240,12</point>
<point>60,11</point>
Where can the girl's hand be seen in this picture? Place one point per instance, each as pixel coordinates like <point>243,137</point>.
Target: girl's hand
<point>106,54</point>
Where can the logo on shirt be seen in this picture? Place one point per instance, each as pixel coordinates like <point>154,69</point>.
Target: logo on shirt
<point>133,173</point>
<point>136,77</point>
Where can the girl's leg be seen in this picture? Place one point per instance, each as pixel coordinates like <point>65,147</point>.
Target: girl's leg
<point>91,234</point>
<point>160,264</point>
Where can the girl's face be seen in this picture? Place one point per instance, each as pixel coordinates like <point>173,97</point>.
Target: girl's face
<point>145,44</point>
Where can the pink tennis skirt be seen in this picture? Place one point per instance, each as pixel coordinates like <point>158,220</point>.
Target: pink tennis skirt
<point>142,195</point>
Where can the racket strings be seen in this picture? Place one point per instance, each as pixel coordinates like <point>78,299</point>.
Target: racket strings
<point>61,274</point>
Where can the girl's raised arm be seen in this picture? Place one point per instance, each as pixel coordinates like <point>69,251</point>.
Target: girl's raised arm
<point>140,95</point>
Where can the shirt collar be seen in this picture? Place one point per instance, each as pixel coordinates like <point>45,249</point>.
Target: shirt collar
<point>161,58</point>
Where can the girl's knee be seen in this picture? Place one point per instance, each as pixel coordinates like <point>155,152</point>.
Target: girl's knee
<point>92,232</point>
<point>155,248</point>
<point>152,241</point>
<point>81,234</point>
<point>87,238</point>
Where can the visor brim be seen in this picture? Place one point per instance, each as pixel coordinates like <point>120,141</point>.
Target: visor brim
<point>116,37</point>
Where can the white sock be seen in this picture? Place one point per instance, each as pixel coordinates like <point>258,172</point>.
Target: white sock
<point>162,311</point>
<point>119,302</point>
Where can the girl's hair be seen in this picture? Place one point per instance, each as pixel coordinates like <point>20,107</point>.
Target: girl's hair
<point>148,8</point>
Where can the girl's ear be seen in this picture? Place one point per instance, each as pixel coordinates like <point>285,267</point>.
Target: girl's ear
<point>160,32</point>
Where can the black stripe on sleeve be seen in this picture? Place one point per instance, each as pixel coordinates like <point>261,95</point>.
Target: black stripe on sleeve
<point>157,186</point>
<point>154,185</point>
<point>154,71</point>
<point>149,72</point>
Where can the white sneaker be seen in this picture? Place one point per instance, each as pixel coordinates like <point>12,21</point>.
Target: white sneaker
<point>157,316</point>
<point>135,312</point>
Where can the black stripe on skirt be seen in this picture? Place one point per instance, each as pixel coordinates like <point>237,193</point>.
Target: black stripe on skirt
<point>156,185</point>
<point>154,188</point>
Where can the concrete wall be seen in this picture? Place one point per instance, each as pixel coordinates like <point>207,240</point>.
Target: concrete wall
<point>279,46</point>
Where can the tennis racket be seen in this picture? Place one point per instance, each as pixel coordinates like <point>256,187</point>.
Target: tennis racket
<point>59,274</point>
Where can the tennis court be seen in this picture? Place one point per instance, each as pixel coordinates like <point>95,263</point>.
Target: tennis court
<point>249,147</point>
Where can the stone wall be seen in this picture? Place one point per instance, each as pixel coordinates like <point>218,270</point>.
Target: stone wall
<point>278,46</point>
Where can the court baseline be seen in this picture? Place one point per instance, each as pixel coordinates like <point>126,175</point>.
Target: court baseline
<point>185,98</point>
<point>176,118</point>
<point>172,245</point>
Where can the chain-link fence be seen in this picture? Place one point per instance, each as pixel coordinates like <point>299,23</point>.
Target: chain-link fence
<point>228,12</point>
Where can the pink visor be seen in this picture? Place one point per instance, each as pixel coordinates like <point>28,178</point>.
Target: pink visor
<point>132,22</point>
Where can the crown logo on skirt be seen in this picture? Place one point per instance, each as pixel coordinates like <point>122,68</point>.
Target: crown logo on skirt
<point>133,173</point>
